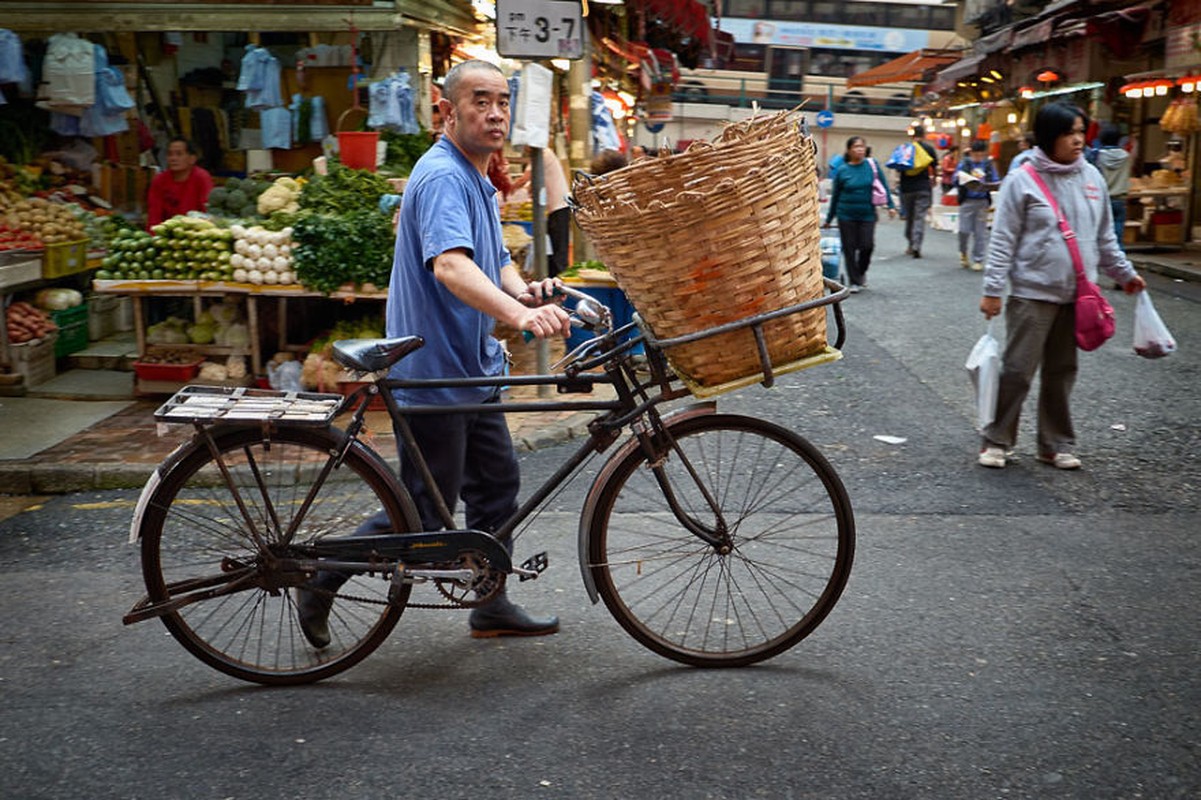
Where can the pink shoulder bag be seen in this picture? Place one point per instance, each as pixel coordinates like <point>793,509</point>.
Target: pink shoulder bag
<point>879,193</point>
<point>1094,315</point>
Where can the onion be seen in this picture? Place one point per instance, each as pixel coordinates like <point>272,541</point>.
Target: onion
<point>254,251</point>
<point>287,276</point>
<point>269,251</point>
<point>254,276</point>
<point>241,276</point>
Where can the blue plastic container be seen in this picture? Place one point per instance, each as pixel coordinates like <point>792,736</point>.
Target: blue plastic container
<point>609,296</point>
<point>831,247</point>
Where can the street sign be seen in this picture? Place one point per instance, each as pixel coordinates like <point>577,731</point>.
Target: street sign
<point>539,29</point>
<point>652,127</point>
<point>825,118</point>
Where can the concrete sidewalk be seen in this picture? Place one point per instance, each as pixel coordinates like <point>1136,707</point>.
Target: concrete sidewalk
<point>81,445</point>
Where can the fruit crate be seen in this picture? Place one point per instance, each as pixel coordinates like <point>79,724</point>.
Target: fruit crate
<point>72,330</point>
<point>65,258</point>
<point>34,360</point>
<point>103,315</point>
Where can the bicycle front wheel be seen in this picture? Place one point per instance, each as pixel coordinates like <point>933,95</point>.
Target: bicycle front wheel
<point>205,526</point>
<point>728,548</point>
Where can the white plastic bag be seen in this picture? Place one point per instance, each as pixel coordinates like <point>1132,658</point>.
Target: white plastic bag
<point>1152,339</point>
<point>984,368</point>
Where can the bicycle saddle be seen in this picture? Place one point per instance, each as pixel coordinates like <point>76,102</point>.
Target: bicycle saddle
<point>373,355</point>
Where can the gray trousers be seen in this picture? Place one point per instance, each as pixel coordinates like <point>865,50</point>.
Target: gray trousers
<point>1039,336</point>
<point>973,222</point>
<point>915,205</point>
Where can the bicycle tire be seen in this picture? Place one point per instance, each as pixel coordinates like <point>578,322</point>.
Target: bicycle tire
<point>193,529</point>
<point>792,543</point>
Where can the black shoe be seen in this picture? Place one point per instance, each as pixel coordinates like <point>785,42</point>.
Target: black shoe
<point>312,611</point>
<point>501,617</point>
<point>917,253</point>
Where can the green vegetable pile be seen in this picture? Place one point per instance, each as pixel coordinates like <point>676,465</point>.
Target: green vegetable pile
<point>340,236</point>
<point>403,149</point>
<point>237,198</point>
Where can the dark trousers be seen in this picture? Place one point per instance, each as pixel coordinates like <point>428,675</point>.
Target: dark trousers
<point>915,206</point>
<point>471,457</point>
<point>558,228</point>
<point>858,241</point>
<point>1118,204</point>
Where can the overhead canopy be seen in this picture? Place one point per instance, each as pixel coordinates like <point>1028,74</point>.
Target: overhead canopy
<point>916,66</point>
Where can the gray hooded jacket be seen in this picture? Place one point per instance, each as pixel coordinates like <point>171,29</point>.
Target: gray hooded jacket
<point>1114,164</point>
<point>1027,249</point>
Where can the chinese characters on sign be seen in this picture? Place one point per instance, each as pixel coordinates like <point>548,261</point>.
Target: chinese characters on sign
<point>539,29</point>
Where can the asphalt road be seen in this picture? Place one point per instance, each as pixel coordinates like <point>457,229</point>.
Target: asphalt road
<point>1023,633</point>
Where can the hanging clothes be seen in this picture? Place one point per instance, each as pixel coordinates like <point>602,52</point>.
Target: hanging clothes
<point>276,125</point>
<point>68,72</point>
<point>390,104</point>
<point>260,78</point>
<point>12,60</point>
<point>107,115</point>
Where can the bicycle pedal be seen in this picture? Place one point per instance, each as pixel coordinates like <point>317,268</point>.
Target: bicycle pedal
<point>533,566</point>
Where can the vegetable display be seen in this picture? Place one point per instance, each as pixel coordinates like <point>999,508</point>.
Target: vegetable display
<point>52,223</point>
<point>26,322</point>
<point>262,256</point>
<point>237,198</point>
<point>283,195</point>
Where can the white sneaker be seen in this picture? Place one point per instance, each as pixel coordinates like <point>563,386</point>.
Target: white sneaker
<point>992,456</point>
<point>977,266</point>
<point>1060,460</point>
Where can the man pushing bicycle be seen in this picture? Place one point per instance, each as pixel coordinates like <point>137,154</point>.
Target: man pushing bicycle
<point>452,280</point>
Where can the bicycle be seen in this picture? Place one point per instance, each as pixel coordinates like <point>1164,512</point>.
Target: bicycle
<point>715,540</point>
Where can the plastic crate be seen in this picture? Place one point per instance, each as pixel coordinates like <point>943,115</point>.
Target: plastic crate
<point>65,258</point>
<point>34,360</point>
<point>179,373</point>
<point>103,313</point>
<point>72,330</point>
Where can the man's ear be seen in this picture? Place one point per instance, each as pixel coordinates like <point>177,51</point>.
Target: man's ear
<point>444,108</point>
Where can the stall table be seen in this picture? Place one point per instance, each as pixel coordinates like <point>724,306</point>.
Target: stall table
<point>142,291</point>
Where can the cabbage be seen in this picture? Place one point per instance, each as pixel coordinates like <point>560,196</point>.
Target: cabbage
<point>58,299</point>
<point>202,334</point>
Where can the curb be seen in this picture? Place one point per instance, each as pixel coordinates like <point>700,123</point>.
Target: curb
<point>34,477</point>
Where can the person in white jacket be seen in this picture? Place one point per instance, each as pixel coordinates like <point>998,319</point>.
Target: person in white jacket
<point>1028,253</point>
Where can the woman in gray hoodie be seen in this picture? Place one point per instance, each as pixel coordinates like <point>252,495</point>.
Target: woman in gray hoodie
<point>1028,252</point>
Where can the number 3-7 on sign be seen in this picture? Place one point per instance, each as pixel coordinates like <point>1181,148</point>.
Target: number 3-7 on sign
<point>539,29</point>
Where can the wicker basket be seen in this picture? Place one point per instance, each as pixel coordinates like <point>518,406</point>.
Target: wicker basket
<point>726,230</point>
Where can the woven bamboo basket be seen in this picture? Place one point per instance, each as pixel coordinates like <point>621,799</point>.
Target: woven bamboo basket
<point>724,231</point>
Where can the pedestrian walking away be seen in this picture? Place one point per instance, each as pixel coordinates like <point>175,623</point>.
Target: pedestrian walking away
<point>917,193</point>
<point>1114,164</point>
<point>1029,254</point>
<point>858,189</point>
<point>977,178</point>
<point>451,280</point>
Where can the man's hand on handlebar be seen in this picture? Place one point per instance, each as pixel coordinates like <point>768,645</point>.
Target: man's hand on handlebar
<point>546,321</point>
<point>540,293</point>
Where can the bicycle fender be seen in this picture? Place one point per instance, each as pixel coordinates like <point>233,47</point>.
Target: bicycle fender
<point>156,477</point>
<point>606,472</point>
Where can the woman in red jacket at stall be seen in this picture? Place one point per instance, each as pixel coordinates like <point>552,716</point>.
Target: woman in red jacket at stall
<point>183,187</point>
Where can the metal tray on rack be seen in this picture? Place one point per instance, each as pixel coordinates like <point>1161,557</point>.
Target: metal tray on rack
<point>244,405</point>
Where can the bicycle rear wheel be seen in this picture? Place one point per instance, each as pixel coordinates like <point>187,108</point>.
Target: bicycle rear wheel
<point>193,530</point>
<point>786,531</point>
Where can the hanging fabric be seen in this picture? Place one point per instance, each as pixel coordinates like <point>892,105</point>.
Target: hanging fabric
<point>12,60</point>
<point>260,78</point>
<point>68,73</point>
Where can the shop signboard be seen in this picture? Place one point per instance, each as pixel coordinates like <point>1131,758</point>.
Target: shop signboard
<point>539,29</point>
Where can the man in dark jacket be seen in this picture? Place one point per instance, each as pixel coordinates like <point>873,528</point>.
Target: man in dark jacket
<point>917,192</point>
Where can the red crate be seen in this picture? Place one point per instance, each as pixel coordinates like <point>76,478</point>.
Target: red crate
<point>150,371</point>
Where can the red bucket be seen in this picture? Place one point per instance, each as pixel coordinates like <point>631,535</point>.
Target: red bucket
<point>357,149</point>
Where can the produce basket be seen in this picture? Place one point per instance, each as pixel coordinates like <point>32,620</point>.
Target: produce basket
<point>725,231</point>
<point>65,258</point>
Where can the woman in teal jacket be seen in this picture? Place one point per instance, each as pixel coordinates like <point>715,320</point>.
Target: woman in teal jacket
<point>852,203</point>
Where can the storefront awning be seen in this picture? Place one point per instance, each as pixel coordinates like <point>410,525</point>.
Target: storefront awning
<point>916,66</point>
<point>963,68</point>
